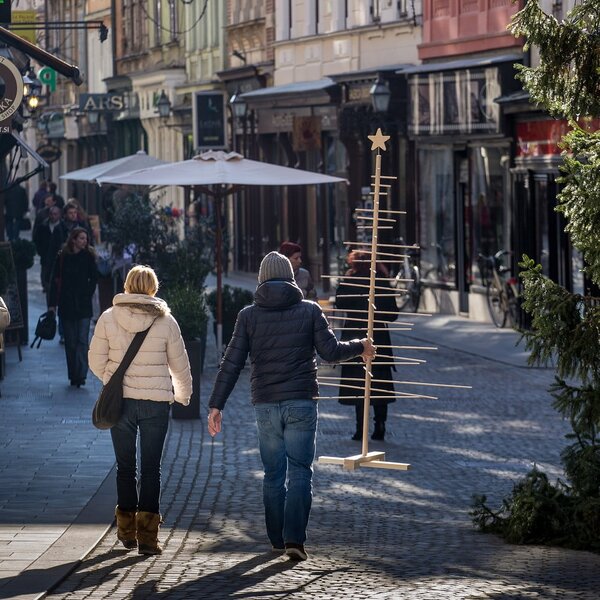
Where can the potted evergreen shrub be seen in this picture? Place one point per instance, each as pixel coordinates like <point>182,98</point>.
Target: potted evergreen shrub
<point>188,306</point>
<point>234,299</point>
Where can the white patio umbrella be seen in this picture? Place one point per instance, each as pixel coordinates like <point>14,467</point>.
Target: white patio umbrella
<point>219,169</point>
<point>119,166</point>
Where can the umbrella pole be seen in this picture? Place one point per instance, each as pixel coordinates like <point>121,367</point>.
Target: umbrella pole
<point>219,244</point>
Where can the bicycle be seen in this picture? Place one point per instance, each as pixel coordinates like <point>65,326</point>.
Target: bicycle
<point>408,281</point>
<point>501,291</point>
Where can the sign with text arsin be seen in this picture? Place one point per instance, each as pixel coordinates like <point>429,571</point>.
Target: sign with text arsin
<point>209,120</point>
<point>89,102</point>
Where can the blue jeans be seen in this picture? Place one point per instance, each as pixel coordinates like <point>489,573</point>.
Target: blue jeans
<point>286,438</point>
<point>152,420</point>
<point>77,336</point>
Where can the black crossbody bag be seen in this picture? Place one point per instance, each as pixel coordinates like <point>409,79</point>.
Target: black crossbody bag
<point>109,406</point>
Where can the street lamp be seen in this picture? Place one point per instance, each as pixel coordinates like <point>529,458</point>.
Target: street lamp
<point>163,105</point>
<point>380,95</point>
<point>239,109</point>
<point>238,105</point>
<point>32,88</point>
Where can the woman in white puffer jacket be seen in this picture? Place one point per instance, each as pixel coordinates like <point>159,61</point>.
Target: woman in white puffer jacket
<point>158,375</point>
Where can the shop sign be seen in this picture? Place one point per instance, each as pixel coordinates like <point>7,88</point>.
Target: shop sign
<point>49,152</point>
<point>278,120</point>
<point>541,137</point>
<point>208,111</point>
<point>306,134</point>
<point>359,93</point>
<point>97,102</point>
<point>24,16</point>
<point>12,95</point>
<point>455,102</point>
<point>47,76</point>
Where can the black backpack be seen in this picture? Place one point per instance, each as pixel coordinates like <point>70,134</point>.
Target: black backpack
<point>45,328</point>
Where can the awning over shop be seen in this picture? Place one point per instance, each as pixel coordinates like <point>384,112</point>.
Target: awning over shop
<point>369,74</point>
<point>458,97</point>
<point>457,65</point>
<point>313,92</point>
<point>292,89</point>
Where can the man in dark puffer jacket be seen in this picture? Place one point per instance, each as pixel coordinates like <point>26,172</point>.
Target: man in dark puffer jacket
<point>281,332</point>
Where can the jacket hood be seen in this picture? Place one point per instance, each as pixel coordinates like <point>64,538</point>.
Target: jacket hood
<point>135,312</point>
<point>277,293</point>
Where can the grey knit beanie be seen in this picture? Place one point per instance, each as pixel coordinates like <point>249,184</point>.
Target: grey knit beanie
<point>275,266</point>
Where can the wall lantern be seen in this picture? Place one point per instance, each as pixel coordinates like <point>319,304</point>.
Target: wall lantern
<point>163,105</point>
<point>238,105</point>
<point>380,95</point>
<point>32,88</point>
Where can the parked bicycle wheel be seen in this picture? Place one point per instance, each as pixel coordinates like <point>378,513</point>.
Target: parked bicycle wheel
<point>409,285</point>
<point>496,304</point>
<point>512,305</point>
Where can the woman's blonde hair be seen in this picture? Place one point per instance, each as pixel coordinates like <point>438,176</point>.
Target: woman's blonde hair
<point>141,280</point>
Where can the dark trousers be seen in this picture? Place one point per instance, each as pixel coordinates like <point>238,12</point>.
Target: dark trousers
<point>13,228</point>
<point>380,411</point>
<point>77,335</point>
<point>151,419</point>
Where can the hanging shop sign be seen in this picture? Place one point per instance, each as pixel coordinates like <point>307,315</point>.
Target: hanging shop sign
<point>208,111</point>
<point>49,152</point>
<point>12,94</point>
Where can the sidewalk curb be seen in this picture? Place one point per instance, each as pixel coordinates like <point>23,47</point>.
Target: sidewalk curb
<point>70,549</point>
<point>453,347</point>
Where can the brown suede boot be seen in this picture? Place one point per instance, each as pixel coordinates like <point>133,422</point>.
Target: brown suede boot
<point>147,532</point>
<point>126,528</point>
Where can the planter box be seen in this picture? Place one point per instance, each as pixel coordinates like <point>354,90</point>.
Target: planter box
<point>196,350</point>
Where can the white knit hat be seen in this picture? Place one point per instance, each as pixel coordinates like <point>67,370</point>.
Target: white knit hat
<point>275,266</point>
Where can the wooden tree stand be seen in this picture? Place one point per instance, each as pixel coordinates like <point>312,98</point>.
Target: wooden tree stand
<point>388,253</point>
<point>366,458</point>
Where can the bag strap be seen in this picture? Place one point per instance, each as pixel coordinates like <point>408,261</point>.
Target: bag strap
<point>135,345</point>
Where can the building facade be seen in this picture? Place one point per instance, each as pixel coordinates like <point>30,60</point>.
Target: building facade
<point>318,112</point>
<point>462,147</point>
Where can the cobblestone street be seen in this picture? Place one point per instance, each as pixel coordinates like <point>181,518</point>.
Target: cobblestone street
<point>376,534</point>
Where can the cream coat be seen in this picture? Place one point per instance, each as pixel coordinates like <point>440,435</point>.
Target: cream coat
<point>161,370</point>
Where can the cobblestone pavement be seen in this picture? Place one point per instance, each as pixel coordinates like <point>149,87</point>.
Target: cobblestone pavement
<point>376,534</point>
<point>52,460</point>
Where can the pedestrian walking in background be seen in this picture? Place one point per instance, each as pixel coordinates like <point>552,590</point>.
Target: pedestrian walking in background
<point>41,237</point>
<point>69,221</point>
<point>44,212</point>
<point>302,276</point>
<point>158,375</point>
<point>40,196</point>
<point>60,201</point>
<point>72,286</point>
<point>351,297</point>
<point>281,332</point>
<point>16,205</point>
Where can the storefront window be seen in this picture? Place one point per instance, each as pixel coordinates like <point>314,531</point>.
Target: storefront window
<point>438,253</point>
<point>486,216</point>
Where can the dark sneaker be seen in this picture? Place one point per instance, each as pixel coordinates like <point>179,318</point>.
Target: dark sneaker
<point>275,548</point>
<point>296,551</point>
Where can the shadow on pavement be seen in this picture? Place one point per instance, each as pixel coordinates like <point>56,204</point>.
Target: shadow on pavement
<point>35,581</point>
<point>234,582</point>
